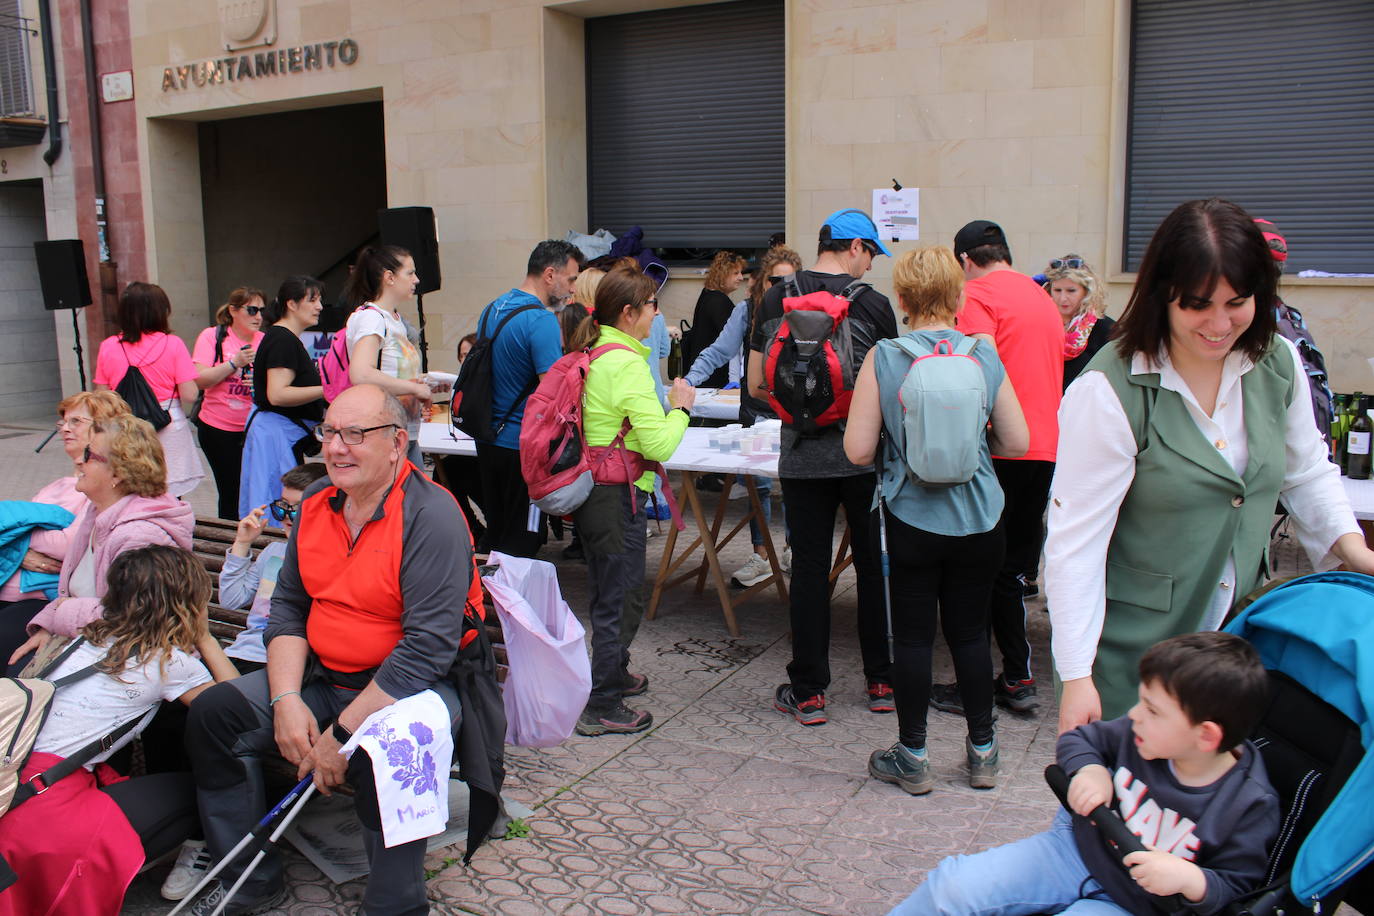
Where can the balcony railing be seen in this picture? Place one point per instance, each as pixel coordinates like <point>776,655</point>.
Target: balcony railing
<point>19,121</point>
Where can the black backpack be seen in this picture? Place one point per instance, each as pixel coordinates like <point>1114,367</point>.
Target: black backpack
<point>1291,325</point>
<point>138,394</point>
<point>472,410</point>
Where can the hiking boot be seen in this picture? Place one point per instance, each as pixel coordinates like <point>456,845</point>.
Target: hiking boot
<point>899,766</point>
<point>880,697</point>
<point>618,720</point>
<point>193,861</point>
<point>1018,696</point>
<point>807,710</point>
<point>982,768</point>
<point>240,905</point>
<point>753,572</point>
<point>635,684</point>
<point>945,697</point>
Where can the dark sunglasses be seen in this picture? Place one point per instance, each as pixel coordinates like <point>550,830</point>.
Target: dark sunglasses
<point>89,455</point>
<point>780,279</point>
<point>253,310</point>
<point>1070,263</point>
<point>282,510</point>
<point>869,247</point>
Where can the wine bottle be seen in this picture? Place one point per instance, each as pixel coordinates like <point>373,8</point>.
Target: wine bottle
<point>675,359</point>
<point>1358,440</point>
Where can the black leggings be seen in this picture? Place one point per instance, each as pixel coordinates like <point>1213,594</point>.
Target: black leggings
<point>224,451</point>
<point>161,809</point>
<point>949,577</point>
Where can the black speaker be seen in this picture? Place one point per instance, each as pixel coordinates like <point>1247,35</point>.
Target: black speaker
<point>412,228</point>
<point>62,274</point>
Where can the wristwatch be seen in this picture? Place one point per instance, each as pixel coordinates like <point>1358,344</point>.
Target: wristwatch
<point>341,734</point>
<point>684,410</point>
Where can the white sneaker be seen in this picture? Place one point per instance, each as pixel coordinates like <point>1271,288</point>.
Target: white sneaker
<point>192,863</point>
<point>738,491</point>
<point>753,572</point>
<point>786,561</point>
<point>650,531</point>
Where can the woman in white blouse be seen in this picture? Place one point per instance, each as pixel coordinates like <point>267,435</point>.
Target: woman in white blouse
<point>1175,445</point>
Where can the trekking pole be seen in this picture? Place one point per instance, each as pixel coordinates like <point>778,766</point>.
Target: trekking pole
<point>887,569</point>
<point>258,832</point>
<point>262,848</point>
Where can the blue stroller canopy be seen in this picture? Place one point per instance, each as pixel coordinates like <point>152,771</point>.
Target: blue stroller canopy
<point>1319,630</point>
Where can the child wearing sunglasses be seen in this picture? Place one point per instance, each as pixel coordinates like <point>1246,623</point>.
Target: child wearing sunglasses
<point>246,582</point>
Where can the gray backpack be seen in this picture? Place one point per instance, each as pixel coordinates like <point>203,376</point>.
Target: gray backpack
<point>944,399</point>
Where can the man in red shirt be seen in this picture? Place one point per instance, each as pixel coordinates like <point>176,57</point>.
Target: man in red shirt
<point>1010,311</point>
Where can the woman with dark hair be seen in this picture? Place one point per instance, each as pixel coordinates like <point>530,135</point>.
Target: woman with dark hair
<point>714,306</point>
<point>611,522</point>
<point>223,356</point>
<point>380,351</point>
<point>145,341</point>
<point>461,473</point>
<point>288,398</point>
<point>1175,444</point>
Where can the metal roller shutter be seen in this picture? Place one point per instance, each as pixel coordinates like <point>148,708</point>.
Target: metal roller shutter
<point>685,124</point>
<point>1269,103</point>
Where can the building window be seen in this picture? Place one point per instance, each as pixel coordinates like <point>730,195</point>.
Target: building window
<point>16,85</point>
<point>1267,103</point>
<point>685,124</point>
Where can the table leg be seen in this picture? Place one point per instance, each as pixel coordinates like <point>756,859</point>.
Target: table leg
<point>843,559</point>
<point>665,566</point>
<point>708,547</point>
<point>756,508</point>
<point>727,481</point>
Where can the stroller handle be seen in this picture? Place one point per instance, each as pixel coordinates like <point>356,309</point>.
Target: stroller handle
<point>1113,829</point>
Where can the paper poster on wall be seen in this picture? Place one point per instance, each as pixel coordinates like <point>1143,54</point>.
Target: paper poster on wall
<point>897,213</point>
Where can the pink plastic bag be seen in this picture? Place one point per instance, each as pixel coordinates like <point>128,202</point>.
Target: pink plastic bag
<point>550,675</point>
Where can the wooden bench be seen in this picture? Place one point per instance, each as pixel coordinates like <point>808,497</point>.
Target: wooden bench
<point>213,537</point>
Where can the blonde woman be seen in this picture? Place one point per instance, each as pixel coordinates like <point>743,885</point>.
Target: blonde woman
<point>714,306</point>
<point>946,542</point>
<point>1081,297</point>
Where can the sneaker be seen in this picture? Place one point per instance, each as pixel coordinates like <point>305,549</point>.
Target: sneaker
<point>902,768</point>
<point>945,697</point>
<point>982,768</point>
<point>1029,587</point>
<point>753,572</point>
<point>1018,696</point>
<point>635,684</point>
<point>738,491</point>
<point>241,905</point>
<point>786,562</point>
<point>193,861</point>
<point>808,710</point>
<point>880,697</point>
<point>710,483</point>
<point>650,531</point>
<point>619,720</point>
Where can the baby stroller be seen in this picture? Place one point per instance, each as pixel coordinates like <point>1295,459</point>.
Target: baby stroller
<point>1315,635</point>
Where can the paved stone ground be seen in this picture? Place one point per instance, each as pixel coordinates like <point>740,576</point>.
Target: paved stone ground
<point>725,806</point>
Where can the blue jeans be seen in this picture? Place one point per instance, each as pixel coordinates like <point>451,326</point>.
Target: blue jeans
<point>1040,874</point>
<point>765,488</point>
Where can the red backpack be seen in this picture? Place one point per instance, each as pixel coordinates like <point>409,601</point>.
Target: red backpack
<point>559,467</point>
<point>809,363</point>
<point>333,365</point>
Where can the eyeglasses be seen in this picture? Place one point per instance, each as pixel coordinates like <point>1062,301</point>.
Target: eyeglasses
<point>871,248</point>
<point>87,456</point>
<point>282,510</point>
<point>774,280</point>
<point>253,310</point>
<point>72,422</point>
<point>1069,263</point>
<point>653,302</point>
<point>351,435</point>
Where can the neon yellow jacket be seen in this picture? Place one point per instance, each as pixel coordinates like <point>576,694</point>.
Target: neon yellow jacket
<point>619,385</point>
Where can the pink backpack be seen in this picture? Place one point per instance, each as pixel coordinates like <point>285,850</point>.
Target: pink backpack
<point>333,365</point>
<point>559,467</point>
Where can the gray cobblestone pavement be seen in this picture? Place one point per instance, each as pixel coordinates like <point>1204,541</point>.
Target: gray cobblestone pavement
<point>726,805</point>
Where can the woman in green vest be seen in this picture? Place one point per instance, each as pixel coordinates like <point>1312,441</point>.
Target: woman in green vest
<point>1176,443</point>
<point>620,398</point>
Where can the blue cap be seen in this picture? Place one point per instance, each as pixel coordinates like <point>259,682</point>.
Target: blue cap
<point>853,224</point>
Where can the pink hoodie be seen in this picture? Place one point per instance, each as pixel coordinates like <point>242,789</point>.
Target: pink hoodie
<point>134,521</point>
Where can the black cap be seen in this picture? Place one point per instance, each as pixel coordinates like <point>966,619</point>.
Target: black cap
<point>977,233</point>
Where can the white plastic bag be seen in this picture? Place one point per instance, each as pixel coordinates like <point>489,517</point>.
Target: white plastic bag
<point>550,675</point>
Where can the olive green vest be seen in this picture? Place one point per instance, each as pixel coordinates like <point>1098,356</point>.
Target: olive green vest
<point>1185,513</point>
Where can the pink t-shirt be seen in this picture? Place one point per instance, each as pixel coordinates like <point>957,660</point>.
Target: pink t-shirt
<point>1023,322</point>
<point>226,404</point>
<point>162,358</point>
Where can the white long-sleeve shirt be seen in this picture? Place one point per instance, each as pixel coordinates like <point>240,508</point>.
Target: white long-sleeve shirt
<point>1096,466</point>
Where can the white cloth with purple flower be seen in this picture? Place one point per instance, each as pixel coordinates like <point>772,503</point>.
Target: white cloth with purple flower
<point>411,747</point>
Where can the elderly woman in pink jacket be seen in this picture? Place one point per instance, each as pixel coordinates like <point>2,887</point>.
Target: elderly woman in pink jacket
<point>124,476</point>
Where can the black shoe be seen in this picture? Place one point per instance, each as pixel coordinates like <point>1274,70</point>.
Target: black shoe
<point>1029,587</point>
<point>946,698</point>
<point>619,720</point>
<point>710,483</point>
<point>635,684</point>
<point>574,551</point>
<point>1018,696</point>
<point>241,905</point>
